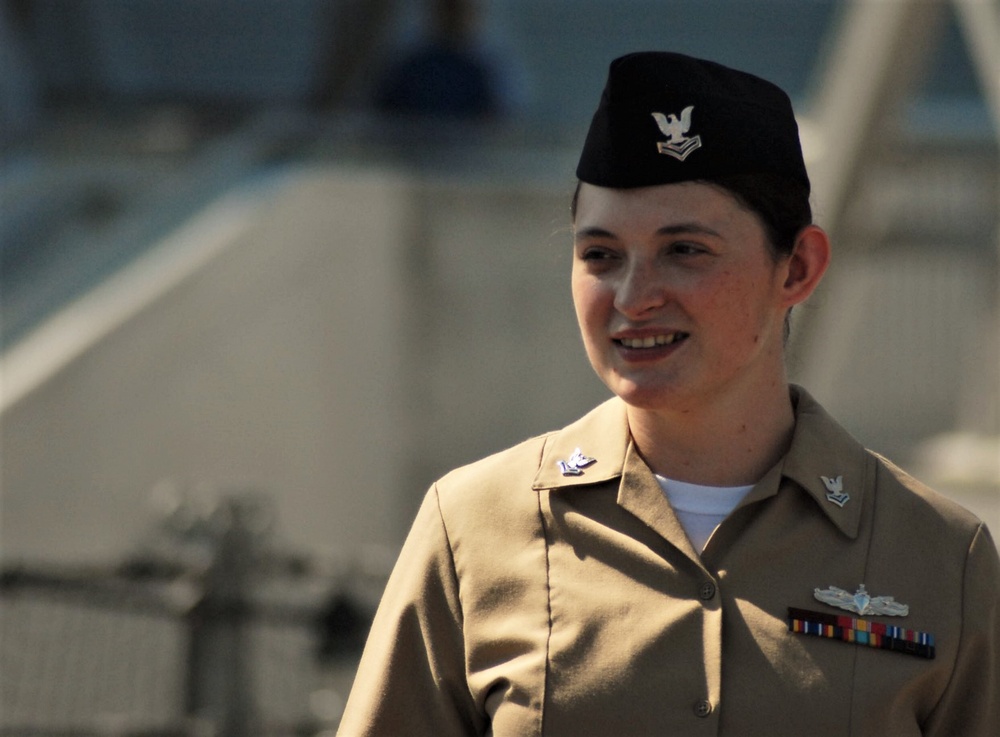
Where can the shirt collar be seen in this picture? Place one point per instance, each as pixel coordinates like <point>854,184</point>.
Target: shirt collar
<point>601,434</point>
<point>820,448</point>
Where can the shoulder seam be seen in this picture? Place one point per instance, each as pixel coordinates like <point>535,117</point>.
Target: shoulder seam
<point>451,555</point>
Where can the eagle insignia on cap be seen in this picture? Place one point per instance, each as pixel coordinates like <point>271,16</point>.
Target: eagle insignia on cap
<point>677,144</point>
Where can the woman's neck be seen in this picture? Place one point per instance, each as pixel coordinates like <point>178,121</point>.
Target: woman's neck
<point>726,443</point>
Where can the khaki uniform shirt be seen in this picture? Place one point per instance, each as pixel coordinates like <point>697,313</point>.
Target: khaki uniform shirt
<point>528,602</point>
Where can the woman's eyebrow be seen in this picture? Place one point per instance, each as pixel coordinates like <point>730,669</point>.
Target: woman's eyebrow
<point>592,232</point>
<point>676,229</point>
<point>686,229</point>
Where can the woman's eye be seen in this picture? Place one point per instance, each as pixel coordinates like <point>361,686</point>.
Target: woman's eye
<point>686,249</point>
<point>597,254</point>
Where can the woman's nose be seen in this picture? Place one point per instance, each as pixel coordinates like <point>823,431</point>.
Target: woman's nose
<point>640,291</point>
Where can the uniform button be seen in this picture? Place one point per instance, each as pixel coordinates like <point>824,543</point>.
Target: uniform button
<point>707,590</point>
<point>702,709</point>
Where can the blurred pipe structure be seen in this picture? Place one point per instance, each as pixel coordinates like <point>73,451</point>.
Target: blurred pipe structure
<point>215,596</point>
<point>878,55</point>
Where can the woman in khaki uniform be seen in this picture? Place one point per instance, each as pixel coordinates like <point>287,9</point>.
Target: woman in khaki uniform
<point>707,553</point>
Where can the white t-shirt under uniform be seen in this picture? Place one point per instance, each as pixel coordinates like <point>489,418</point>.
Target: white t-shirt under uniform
<point>700,509</point>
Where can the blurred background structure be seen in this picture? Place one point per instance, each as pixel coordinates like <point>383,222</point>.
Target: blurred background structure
<point>269,267</point>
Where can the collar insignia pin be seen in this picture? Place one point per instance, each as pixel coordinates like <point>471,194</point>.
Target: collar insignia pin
<point>861,602</point>
<point>677,144</point>
<point>835,490</point>
<point>576,463</point>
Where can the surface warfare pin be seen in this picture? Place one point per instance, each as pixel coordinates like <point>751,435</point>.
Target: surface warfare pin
<point>861,631</point>
<point>835,490</point>
<point>861,602</point>
<point>576,463</point>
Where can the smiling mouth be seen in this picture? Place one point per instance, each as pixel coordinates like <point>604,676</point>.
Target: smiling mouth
<point>652,341</point>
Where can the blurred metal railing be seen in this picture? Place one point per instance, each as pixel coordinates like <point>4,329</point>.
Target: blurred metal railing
<point>220,637</point>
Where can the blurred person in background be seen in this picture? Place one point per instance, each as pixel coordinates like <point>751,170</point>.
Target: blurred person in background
<point>19,88</point>
<point>708,552</point>
<point>448,73</point>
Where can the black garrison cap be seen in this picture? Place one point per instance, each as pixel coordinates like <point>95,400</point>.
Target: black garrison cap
<point>666,118</point>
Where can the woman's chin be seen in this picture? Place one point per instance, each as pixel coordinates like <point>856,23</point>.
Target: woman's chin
<point>645,395</point>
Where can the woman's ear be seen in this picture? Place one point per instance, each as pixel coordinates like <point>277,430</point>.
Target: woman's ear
<point>805,267</point>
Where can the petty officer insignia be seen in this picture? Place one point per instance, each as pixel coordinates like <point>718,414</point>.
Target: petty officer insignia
<point>576,463</point>
<point>835,490</point>
<point>677,144</point>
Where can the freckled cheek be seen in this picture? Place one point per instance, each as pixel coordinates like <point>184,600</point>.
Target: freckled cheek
<point>732,308</point>
<point>591,298</point>
<point>586,303</point>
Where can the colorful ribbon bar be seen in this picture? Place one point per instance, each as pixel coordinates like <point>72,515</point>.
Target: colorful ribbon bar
<point>861,632</point>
